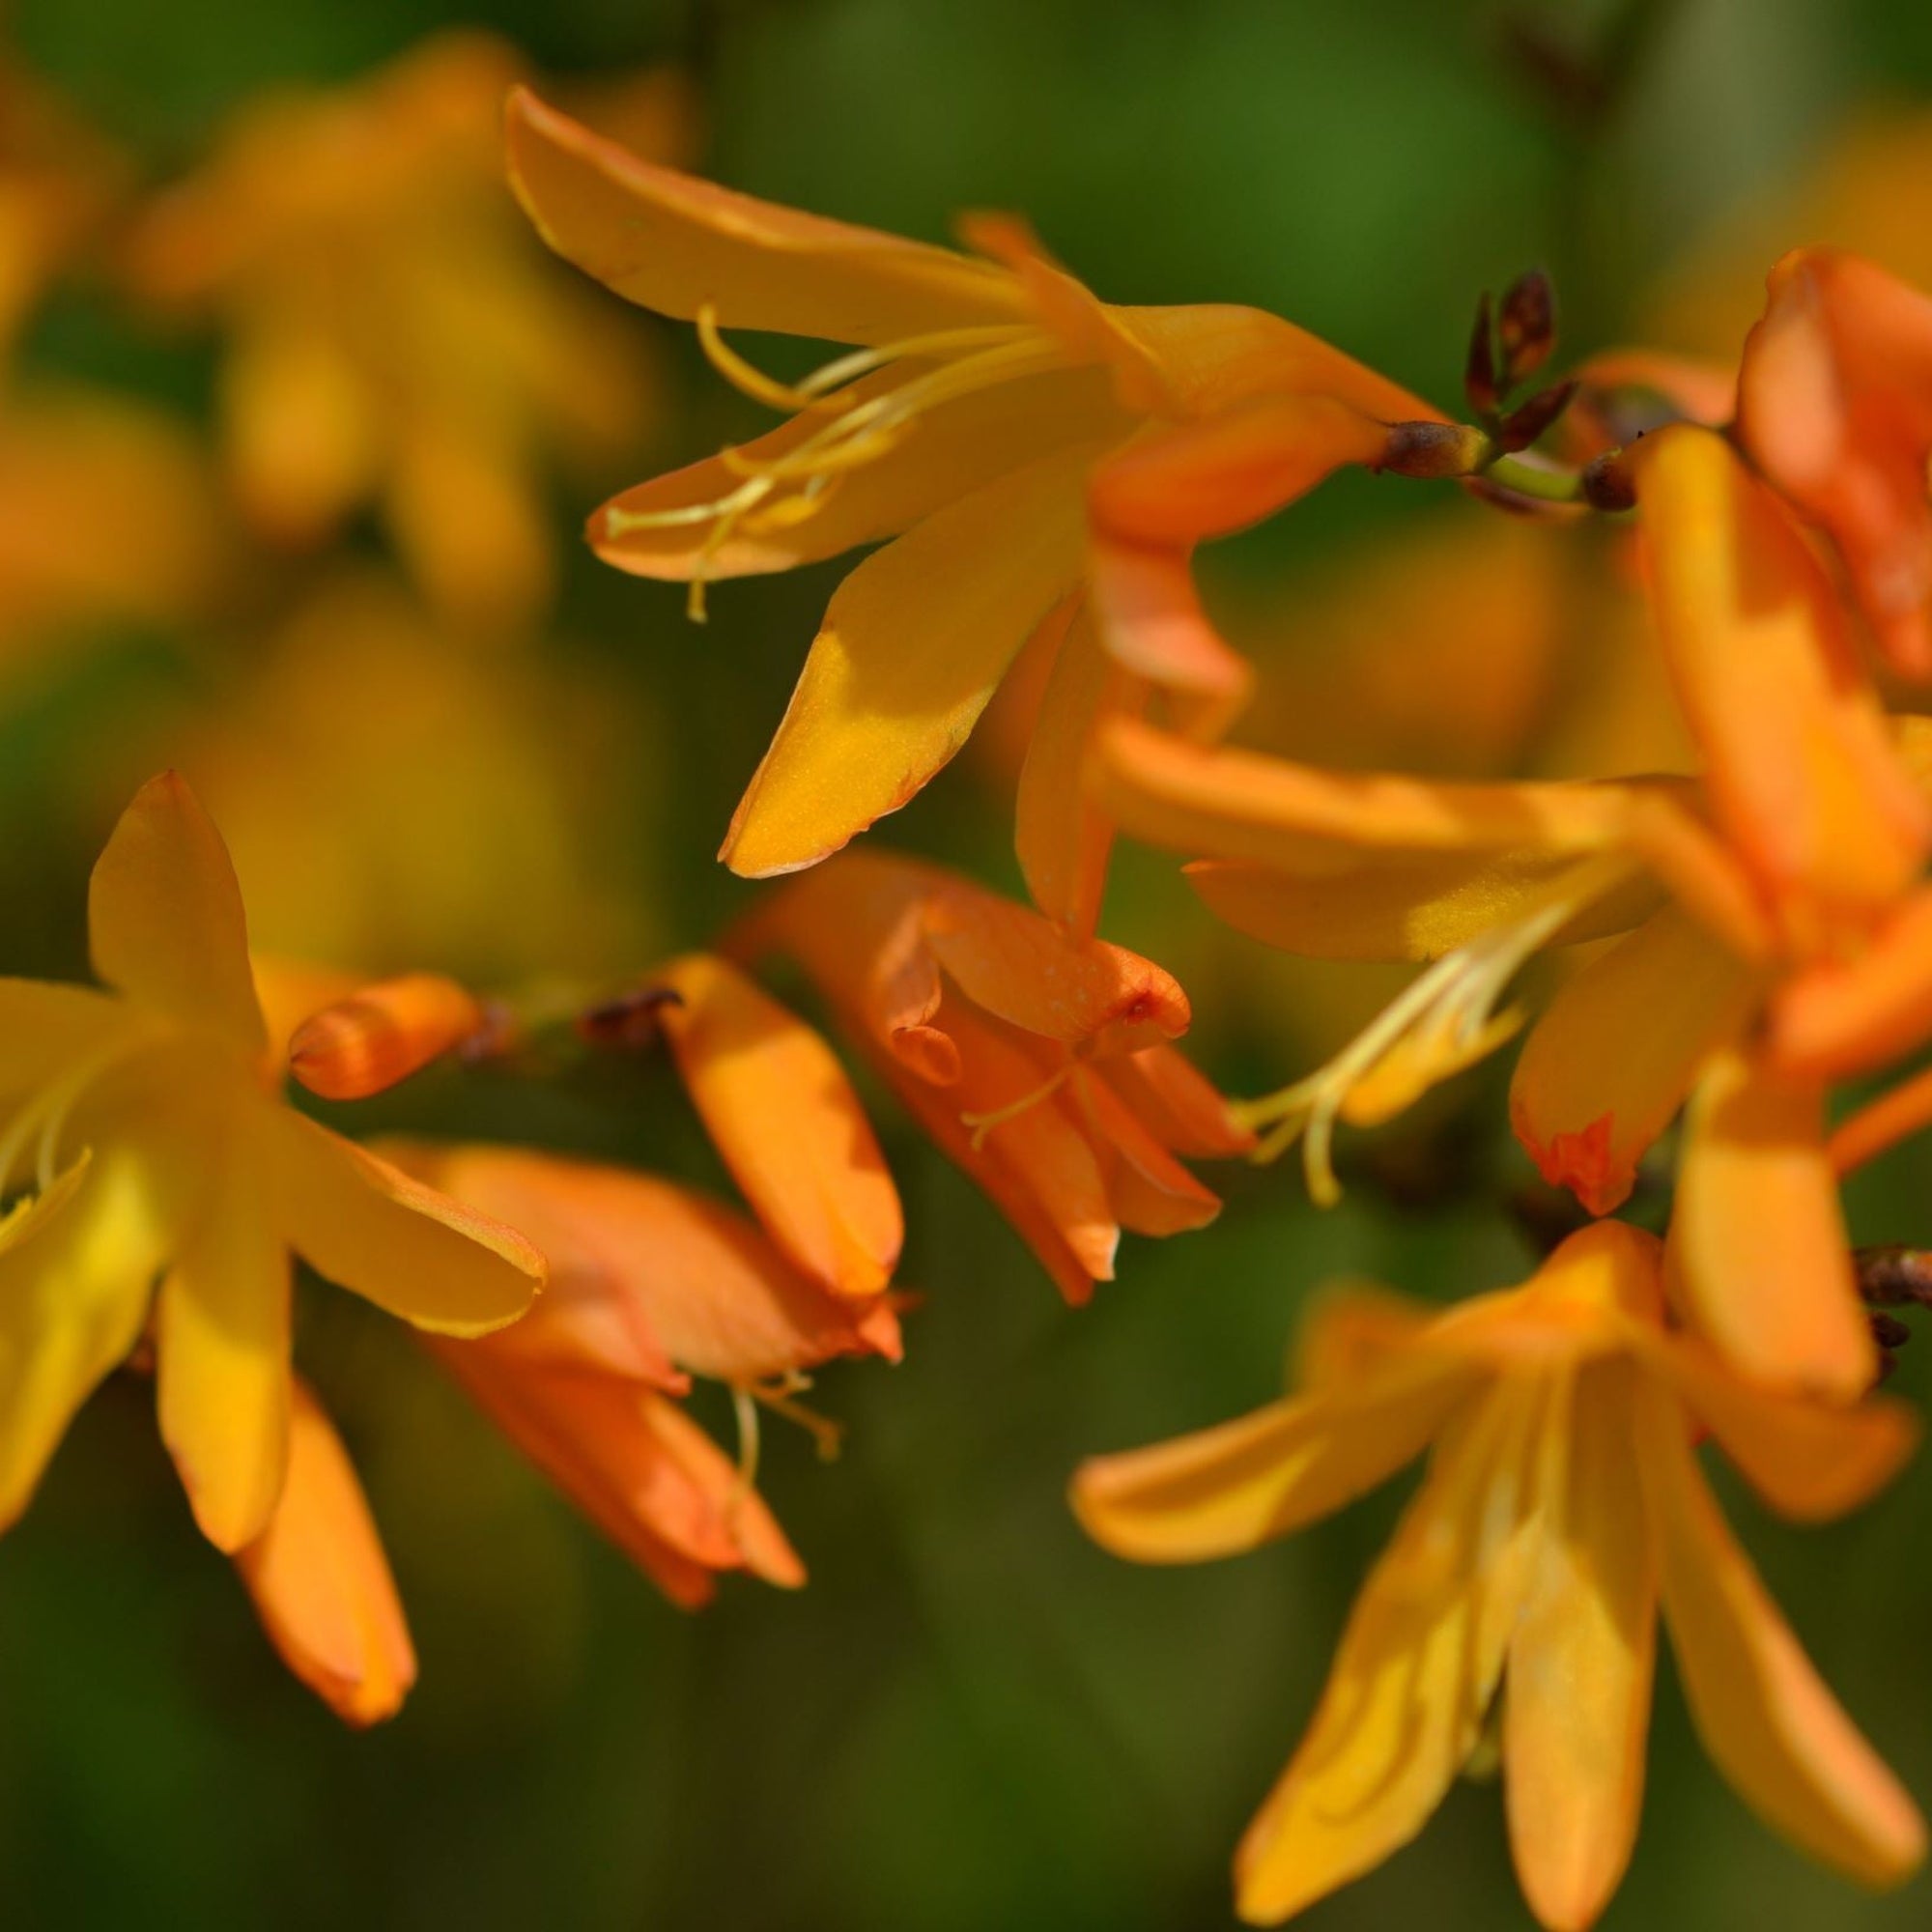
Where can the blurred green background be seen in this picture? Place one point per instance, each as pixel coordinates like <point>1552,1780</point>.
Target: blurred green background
<point>971,1719</point>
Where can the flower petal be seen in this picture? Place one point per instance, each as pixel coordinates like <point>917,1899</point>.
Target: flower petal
<point>72,1303</point>
<point>320,1582</point>
<point>1230,804</point>
<point>1841,1017</point>
<point>673,242</point>
<point>221,1349</point>
<point>1237,1484</point>
<point>1800,763</point>
<point>1758,1244</point>
<point>45,1029</point>
<point>952,449</point>
<point>367,1226</point>
<point>913,645</point>
<point>1577,1707</point>
<point>164,916</point>
<point>780,1110</point>
<point>1062,837</point>
<point>1412,1679</point>
<point>1808,1460</point>
<point>1402,907</point>
<point>1614,1054</point>
<point>1178,1104</point>
<point>1768,1722</point>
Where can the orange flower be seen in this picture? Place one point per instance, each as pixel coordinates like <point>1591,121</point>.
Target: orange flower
<point>1784,883</point>
<point>650,1284</point>
<point>148,1125</point>
<point>1038,1063</point>
<point>393,340</point>
<point>1834,405</point>
<point>1563,1505</point>
<point>320,1582</point>
<point>984,389</point>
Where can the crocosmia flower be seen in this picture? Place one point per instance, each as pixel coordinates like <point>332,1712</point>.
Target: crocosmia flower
<point>146,1126</point>
<point>650,1284</point>
<point>982,391</point>
<point>1563,1506</point>
<point>1042,1064</point>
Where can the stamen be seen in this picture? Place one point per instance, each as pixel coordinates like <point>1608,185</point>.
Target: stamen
<point>983,1124</point>
<point>1441,1022</point>
<point>826,1434</point>
<point>747,1413</point>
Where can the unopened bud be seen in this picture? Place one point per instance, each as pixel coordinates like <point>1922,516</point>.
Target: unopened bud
<point>1523,426</point>
<point>1526,327</point>
<point>1479,372</point>
<point>1430,450</point>
<point>1895,1277</point>
<point>1608,483</point>
<point>368,1042</point>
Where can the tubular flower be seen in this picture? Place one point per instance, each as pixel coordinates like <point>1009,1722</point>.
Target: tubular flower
<point>982,391</point>
<point>1781,886</point>
<point>1834,405</point>
<point>1562,1507</point>
<point>1040,1063</point>
<point>393,340</point>
<point>320,1582</point>
<point>146,1126</point>
<point>650,1285</point>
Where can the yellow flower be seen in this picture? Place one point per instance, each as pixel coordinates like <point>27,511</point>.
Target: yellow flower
<point>148,1124</point>
<point>984,389</point>
<point>1563,1505</point>
<point>393,339</point>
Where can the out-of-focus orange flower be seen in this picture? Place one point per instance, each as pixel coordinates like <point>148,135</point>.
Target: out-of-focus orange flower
<point>58,177</point>
<point>148,1125</point>
<point>392,337</point>
<point>984,389</point>
<point>1792,866</point>
<point>109,515</point>
<point>387,793</point>
<point>650,1285</point>
<point>1563,1506</point>
<point>1040,1063</point>
<point>320,1582</point>
<point>1834,405</point>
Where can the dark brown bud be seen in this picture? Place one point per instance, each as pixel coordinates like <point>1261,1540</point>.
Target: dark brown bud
<point>1523,426</point>
<point>1479,373</point>
<point>1895,1277</point>
<point>1608,483</point>
<point>629,1021</point>
<point>1526,327</point>
<point>1434,449</point>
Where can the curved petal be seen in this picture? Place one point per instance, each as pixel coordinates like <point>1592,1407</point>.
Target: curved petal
<point>1768,1722</point>
<point>164,917</point>
<point>1232,1487</point>
<point>367,1226</point>
<point>1576,1708</point>
<point>1841,1017</point>
<point>1412,1679</point>
<point>1800,763</point>
<point>1758,1244</point>
<point>913,645</point>
<point>1013,963</point>
<point>780,1110</point>
<point>1230,804</point>
<point>1178,1104</point>
<point>1405,907</point>
<point>221,1349</point>
<point>72,1303</point>
<point>320,1582</point>
<point>1063,840</point>
<point>673,242</point>
<point>1614,1054</point>
<point>1808,1460</point>
<point>1153,1194</point>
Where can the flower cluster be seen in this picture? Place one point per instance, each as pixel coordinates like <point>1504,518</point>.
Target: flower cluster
<point>1737,937</point>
